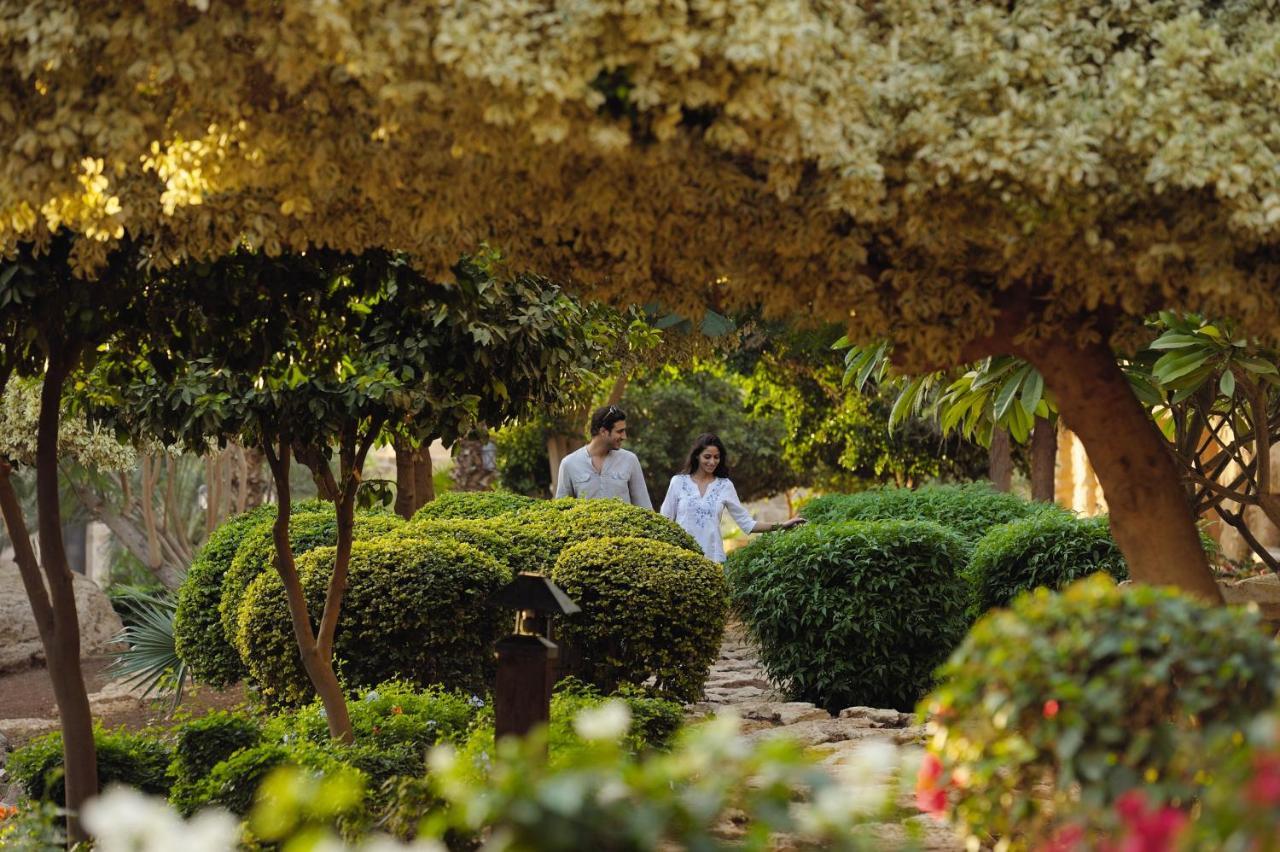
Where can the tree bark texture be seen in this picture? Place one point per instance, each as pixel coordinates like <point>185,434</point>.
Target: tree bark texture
<point>424,487</point>
<point>1150,517</point>
<point>1000,460</point>
<point>1044,459</point>
<point>406,484</point>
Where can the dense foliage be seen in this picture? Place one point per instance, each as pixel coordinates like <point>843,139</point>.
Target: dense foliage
<point>541,532</point>
<point>649,609</point>
<point>139,760</point>
<point>202,743</point>
<point>523,464</point>
<point>1048,549</point>
<point>1092,691</point>
<point>853,613</point>
<point>969,510</point>
<point>471,505</point>
<point>418,610</point>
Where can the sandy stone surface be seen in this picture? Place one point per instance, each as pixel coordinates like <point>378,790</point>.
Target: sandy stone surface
<point>20,646</point>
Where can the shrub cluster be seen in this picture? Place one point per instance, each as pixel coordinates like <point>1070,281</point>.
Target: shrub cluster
<point>138,760</point>
<point>1049,549</point>
<point>853,613</point>
<point>202,743</point>
<point>649,609</point>
<point>1093,686</point>
<point>472,505</point>
<point>417,610</point>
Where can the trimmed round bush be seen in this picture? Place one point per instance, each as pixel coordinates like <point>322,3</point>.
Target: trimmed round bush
<point>1071,699</point>
<point>540,533</point>
<point>307,531</point>
<point>197,629</point>
<point>233,783</point>
<point>649,609</point>
<point>1048,549</point>
<point>487,536</point>
<point>202,743</point>
<point>137,759</point>
<point>969,510</point>
<point>855,613</point>
<point>472,505</point>
<point>413,610</point>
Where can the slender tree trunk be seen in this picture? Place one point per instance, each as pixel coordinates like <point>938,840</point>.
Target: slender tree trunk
<point>319,666</point>
<point>1150,517</point>
<point>1044,459</point>
<point>257,483</point>
<point>406,482</point>
<point>424,487</point>
<point>1000,460</point>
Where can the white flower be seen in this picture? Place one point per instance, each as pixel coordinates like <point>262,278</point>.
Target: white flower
<point>442,758</point>
<point>124,820</point>
<point>609,721</point>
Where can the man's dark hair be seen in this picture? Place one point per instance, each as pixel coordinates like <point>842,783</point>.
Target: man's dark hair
<point>605,417</point>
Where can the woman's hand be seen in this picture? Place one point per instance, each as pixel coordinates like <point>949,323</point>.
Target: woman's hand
<point>791,522</point>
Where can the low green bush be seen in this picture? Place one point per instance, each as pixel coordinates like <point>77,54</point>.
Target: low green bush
<point>472,505</point>
<point>197,629</point>
<point>969,510</point>
<point>417,610</point>
<point>1069,700</point>
<point>487,536</point>
<point>202,743</point>
<point>855,613</point>
<point>649,609</point>
<point>1048,549</point>
<point>307,531</point>
<point>139,760</point>
<point>233,782</point>
<point>542,531</point>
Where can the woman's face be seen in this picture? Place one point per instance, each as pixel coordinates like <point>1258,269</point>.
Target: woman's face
<point>709,459</point>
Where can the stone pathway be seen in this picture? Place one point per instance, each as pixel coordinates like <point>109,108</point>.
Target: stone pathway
<point>737,680</point>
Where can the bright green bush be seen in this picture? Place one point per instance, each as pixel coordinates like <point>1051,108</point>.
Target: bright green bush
<point>307,531</point>
<point>969,510</point>
<point>471,505</point>
<point>1048,549</point>
<point>857,613</point>
<point>197,629</point>
<point>417,610</point>
<point>202,743</point>
<point>487,536</point>
<point>539,533</point>
<point>233,782</point>
<point>1090,690</point>
<point>139,760</point>
<point>649,609</point>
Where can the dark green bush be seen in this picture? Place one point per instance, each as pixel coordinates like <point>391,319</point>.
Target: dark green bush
<point>856,613</point>
<point>523,466</point>
<point>197,630</point>
<point>969,510</point>
<point>307,531</point>
<point>232,783</point>
<point>472,505</point>
<point>649,609</point>
<point>1073,698</point>
<point>138,760</point>
<point>417,610</point>
<point>202,743</point>
<point>1047,549</point>
<point>487,536</point>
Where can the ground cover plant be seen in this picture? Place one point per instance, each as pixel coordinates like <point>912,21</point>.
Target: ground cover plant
<point>852,613</point>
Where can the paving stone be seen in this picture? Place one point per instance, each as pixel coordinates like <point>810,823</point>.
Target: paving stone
<point>879,717</point>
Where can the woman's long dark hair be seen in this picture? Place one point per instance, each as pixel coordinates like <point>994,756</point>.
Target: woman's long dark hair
<point>706,439</point>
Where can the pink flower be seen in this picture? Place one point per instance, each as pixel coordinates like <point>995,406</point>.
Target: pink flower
<point>1066,839</point>
<point>1264,786</point>
<point>1051,708</point>
<point>930,771</point>
<point>931,800</point>
<point>1148,830</point>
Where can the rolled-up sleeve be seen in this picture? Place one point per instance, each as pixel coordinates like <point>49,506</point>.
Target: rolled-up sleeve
<point>737,511</point>
<point>635,485</point>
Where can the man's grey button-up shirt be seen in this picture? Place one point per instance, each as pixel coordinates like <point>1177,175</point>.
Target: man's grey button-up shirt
<point>620,478</point>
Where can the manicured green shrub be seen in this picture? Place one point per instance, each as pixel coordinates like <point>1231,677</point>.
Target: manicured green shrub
<point>139,760</point>
<point>463,505</point>
<point>487,536</point>
<point>1090,691</point>
<point>197,629</point>
<point>1048,549</point>
<point>542,531</point>
<point>307,531</point>
<point>202,743</point>
<point>417,610</point>
<point>649,609</point>
<point>969,510</point>
<point>855,613</point>
<point>232,783</point>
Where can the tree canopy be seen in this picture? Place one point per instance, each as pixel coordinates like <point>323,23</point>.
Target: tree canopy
<point>910,167</point>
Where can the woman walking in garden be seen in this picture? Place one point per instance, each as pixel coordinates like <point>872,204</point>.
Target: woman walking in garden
<point>697,497</point>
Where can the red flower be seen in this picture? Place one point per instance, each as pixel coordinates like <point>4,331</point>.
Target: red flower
<point>396,711</point>
<point>1051,708</point>
<point>931,800</point>
<point>1066,839</point>
<point>930,771</point>
<point>1264,786</point>
<point>1148,831</point>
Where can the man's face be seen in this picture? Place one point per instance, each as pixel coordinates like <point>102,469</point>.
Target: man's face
<point>617,435</point>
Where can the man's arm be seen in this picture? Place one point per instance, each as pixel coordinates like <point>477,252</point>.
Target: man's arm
<point>564,482</point>
<point>635,484</point>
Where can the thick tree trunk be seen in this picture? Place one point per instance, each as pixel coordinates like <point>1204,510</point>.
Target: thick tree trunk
<point>559,446</point>
<point>318,665</point>
<point>424,487</point>
<point>1150,517</point>
<point>469,470</point>
<point>1000,460</point>
<point>406,482</point>
<point>1044,459</point>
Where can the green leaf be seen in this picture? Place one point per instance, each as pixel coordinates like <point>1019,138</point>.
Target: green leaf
<point>1227,384</point>
<point>1032,391</point>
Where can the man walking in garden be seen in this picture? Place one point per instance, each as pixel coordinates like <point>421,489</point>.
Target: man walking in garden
<point>602,468</point>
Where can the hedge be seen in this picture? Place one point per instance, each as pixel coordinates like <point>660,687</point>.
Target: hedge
<point>539,533</point>
<point>472,505</point>
<point>202,743</point>
<point>854,613</point>
<point>139,760</point>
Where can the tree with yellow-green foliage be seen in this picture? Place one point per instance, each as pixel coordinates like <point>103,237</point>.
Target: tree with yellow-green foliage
<point>970,178</point>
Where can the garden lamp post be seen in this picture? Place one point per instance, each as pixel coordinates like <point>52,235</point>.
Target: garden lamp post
<point>527,658</point>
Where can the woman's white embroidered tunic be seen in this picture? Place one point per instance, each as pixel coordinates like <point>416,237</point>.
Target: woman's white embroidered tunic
<point>699,514</point>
